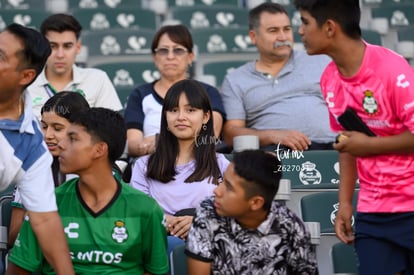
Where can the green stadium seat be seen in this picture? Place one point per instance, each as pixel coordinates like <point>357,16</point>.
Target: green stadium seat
<point>178,260</point>
<point>322,207</point>
<point>210,16</point>
<point>197,3</point>
<point>127,75</point>
<point>22,4</point>
<point>372,37</point>
<point>344,259</point>
<point>220,69</point>
<point>104,19</point>
<point>117,46</point>
<point>29,18</point>
<point>398,15</point>
<point>6,197</point>
<point>130,73</point>
<point>95,4</point>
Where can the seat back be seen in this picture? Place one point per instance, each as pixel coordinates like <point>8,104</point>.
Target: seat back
<point>322,207</point>
<point>197,3</point>
<point>178,260</point>
<point>22,5</point>
<point>98,4</point>
<point>399,15</point>
<point>210,16</point>
<point>310,169</point>
<point>130,73</point>
<point>26,17</point>
<point>220,69</point>
<point>372,37</point>
<point>344,259</point>
<point>223,41</point>
<point>125,76</point>
<point>118,46</point>
<point>6,197</point>
<point>104,19</point>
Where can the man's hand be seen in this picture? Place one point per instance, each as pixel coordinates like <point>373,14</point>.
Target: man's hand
<point>295,140</point>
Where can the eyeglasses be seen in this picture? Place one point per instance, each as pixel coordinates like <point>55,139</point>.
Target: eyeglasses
<point>175,51</point>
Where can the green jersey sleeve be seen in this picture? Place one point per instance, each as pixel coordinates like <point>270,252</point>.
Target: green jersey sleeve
<point>26,252</point>
<point>155,243</point>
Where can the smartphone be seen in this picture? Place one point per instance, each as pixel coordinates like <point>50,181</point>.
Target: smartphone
<point>352,122</point>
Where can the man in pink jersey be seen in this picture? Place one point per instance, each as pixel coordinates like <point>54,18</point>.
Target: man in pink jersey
<point>378,85</point>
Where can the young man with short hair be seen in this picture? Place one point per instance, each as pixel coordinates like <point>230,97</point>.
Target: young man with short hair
<point>242,230</point>
<point>111,227</point>
<point>378,86</point>
<point>61,73</point>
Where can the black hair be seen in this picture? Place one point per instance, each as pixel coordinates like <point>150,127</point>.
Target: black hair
<point>104,125</point>
<point>260,174</point>
<point>256,12</point>
<point>36,48</point>
<point>65,103</point>
<point>346,13</point>
<point>177,33</point>
<point>61,22</point>
<point>161,164</point>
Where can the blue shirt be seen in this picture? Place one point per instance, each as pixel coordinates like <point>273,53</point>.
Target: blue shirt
<point>25,161</point>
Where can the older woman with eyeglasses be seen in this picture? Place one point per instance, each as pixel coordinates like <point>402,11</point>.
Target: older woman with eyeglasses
<point>172,50</point>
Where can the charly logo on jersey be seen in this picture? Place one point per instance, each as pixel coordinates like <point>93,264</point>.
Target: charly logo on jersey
<point>402,81</point>
<point>333,214</point>
<point>329,96</point>
<point>369,103</point>
<point>71,230</point>
<point>309,174</point>
<point>119,232</point>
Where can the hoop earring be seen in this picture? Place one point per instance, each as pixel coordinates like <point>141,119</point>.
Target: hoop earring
<point>204,127</point>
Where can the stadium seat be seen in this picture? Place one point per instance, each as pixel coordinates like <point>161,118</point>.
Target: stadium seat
<point>220,69</point>
<point>310,169</point>
<point>123,94</point>
<point>398,15</point>
<point>105,19</point>
<point>322,207</point>
<point>210,16</point>
<point>22,4</point>
<point>231,44</point>
<point>197,3</point>
<point>405,44</point>
<point>29,18</point>
<point>126,75</point>
<point>130,73</point>
<point>372,37</point>
<point>178,260</point>
<point>6,197</point>
<point>378,3</point>
<point>118,46</point>
<point>218,41</point>
<point>344,259</point>
<point>95,4</point>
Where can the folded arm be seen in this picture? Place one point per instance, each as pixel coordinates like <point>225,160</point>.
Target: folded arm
<point>293,139</point>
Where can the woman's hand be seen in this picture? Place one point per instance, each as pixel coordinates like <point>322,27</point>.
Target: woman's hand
<point>179,226</point>
<point>147,146</point>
